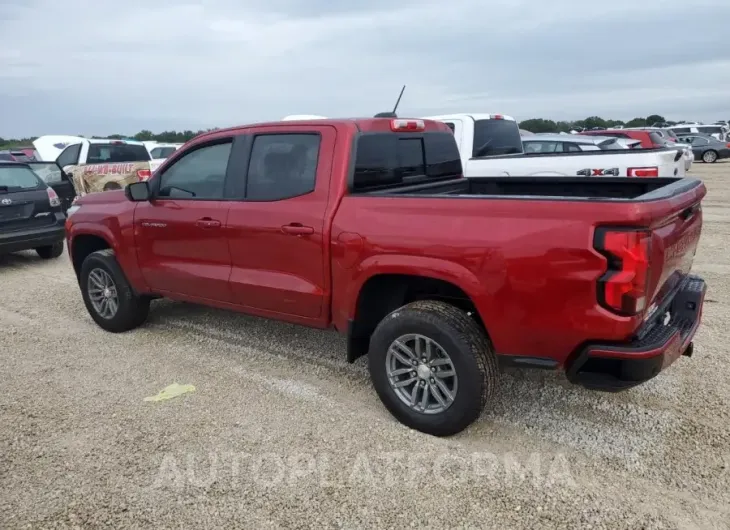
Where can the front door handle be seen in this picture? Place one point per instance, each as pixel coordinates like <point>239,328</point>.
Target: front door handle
<point>297,229</point>
<point>207,222</point>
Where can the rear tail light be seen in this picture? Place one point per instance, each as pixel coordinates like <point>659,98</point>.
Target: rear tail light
<point>728,144</point>
<point>643,172</point>
<point>623,289</point>
<point>143,174</point>
<point>53,198</point>
<point>407,125</point>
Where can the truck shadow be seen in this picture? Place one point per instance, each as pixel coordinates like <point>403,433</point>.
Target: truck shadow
<point>544,403</point>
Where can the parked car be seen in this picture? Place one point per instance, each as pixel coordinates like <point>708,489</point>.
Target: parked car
<point>491,145</point>
<point>651,138</point>
<point>574,143</point>
<point>98,164</point>
<point>30,213</point>
<point>52,175</point>
<point>159,152</point>
<point>8,155</point>
<point>706,148</point>
<point>368,226</point>
<point>719,132</point>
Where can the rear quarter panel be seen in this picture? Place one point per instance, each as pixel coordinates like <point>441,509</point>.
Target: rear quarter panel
<point>528,265</point>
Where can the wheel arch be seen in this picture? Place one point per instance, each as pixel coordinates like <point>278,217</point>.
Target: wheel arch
<point>389,286</point>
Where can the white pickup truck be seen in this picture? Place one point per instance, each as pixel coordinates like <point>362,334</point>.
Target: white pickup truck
<point>96,164</point>
<point>491,145</point>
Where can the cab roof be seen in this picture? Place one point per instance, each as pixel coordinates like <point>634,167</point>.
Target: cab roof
<point>360,124</point>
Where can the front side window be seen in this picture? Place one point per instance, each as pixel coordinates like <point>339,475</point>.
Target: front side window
<point>69,156</point>
<point>199,174</point>
<point>282,166</point>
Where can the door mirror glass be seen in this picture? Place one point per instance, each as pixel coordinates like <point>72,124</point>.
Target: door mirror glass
<point>138,191</point>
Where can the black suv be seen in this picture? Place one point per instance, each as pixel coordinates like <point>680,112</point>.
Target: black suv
<point>30,213</point>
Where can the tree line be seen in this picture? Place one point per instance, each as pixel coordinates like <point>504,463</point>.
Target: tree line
<point>536,125</point>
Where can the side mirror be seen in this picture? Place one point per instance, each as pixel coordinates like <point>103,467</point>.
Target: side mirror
<point>138,191</point>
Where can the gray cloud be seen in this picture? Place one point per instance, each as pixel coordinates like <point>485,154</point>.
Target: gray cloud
<point>119,67</point>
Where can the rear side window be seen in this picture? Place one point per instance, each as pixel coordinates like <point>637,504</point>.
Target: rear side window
<point>282,166</point>
<point>386,160</point>
<point>116,153</point>
<point>682,130</point>
<point>13,178</point>
<point>6,156</point>
<point>69,156</point>
<point>496,137</point>
<point>710,129</point>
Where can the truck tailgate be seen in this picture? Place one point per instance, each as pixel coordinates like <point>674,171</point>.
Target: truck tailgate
<point>674,244</point>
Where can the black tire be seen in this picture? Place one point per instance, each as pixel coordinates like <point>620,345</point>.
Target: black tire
<point>709,157</point>
<point>109,186</point>
<point>132,310</point>
<point>51,251</point>
<point>471,353</point>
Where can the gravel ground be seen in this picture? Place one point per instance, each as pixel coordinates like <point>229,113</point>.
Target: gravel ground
<point>281,432</point>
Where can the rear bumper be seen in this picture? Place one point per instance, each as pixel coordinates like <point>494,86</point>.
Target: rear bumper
<point>613,367</point>
<point>34,238</point>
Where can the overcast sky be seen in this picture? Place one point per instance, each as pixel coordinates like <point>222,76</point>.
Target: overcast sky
<point>102,67</point>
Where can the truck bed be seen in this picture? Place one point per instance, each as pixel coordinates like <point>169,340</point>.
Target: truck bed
<point>551,188</point>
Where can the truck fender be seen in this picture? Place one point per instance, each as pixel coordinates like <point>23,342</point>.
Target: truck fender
<point>125,254</point>
<point>438,269</point>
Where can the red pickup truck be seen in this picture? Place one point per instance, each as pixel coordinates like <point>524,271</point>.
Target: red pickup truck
<point>368,226</point>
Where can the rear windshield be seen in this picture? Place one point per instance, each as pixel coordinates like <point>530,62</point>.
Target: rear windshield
<point>387,160</point>
<point>50,173</point>
<point>14,178</point>
<point>111,153</point>
<point>496,137</point>
<point>162,152</point>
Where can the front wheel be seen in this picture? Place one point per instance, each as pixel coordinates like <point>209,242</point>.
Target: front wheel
<point>433,367</point>
<point>108,297</point>
<point>709,157</point>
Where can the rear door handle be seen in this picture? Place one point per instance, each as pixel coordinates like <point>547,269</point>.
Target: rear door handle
<point>297,229</point>
<point>207,222</point>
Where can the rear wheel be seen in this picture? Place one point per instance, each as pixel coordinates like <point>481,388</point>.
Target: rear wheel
<point>709,157</point>
<point>433,367</point>
<point>108,297</point>
<point>51,251</point>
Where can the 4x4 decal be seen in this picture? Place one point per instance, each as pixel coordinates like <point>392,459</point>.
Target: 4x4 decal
<point>598,172</point>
